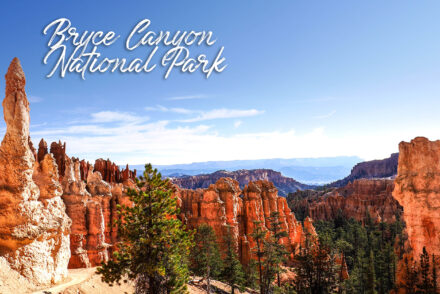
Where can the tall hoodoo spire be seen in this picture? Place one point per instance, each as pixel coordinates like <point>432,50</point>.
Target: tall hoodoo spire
<point>15,104</point>
<point>34,227</point>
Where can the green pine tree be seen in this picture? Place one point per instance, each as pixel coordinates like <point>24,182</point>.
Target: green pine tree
<point>316,269</point>
<point>425,280</point>
<point>280,252</point>
<point>205,256</point>
<point>259,235</point>
<point>153,245</point>
<point>232,271</point>
<point>371,275</point>
<point>411,277</point>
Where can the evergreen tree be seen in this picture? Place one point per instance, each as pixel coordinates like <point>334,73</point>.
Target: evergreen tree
<point>410,279</point>
<point>371,275</point>
<point>342,247</point>
<point>153,245</point>
<point>425,272</point>
<point>205,256</point>
<point>316,270</point>
<point>251,274</point>
<point>259,235</point>
<point>280,254</point>
<point>232,271</point>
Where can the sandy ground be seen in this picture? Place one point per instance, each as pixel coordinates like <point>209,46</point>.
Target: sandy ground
<point>216,287</point>
<point>86,281</point>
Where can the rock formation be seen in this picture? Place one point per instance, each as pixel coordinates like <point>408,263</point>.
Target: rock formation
<point>34,228</point>
<point>110,171</point>
<point>384,168</point>
<point>91,204</point>
<point>417,188</point>
<point>224,205</point>
<point>285,185</point>
<point>356,200</point>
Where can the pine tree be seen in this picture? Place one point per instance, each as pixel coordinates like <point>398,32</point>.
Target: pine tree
<point>205,256</point>
<point>251,274</point>
<point>280,254</point>
<point>411,276</point>
<point>232,271</point>
<point>316,270</point>
<point>153,245</point>
<point>259,235</point>
<point>342,247</point>
<point>371,275</point>
<point>425,279</point>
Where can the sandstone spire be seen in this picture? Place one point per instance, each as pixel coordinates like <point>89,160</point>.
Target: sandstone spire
<point>34,228</point>
<point>417,188</point>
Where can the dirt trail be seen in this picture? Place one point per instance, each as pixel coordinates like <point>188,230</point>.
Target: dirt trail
<point>76,276</point>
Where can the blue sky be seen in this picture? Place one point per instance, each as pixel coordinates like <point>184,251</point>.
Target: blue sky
<point>304,79</point>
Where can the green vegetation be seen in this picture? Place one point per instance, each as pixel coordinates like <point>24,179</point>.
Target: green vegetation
<point>420,277</point>
<point>232,273</point>
<point>154,246</point>
<point>154,251</point>
<point>368,250</point>
<point>205,256</point>
<point>316,268</point>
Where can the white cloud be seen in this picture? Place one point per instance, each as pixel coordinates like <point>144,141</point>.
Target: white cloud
<point>237,123</point>
<point>115,116</point>
<point>136,141</point>
<point>172,109</point>
<point>188,97</point>
<point>34,99</point>
<point>202,115</point>
<point>327,115</point>
<point>223,113</point>
<point>164,143</point>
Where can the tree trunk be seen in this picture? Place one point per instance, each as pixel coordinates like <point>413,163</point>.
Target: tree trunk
<point>208,282</point>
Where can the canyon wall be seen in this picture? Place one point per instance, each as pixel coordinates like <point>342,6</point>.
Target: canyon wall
<point>357,200</point>
<point>90,203</point>
<point>224,206</point>
<point>285,185</point>
<point>34,228</point>
<point>382,168</point>
<point>417,188</point>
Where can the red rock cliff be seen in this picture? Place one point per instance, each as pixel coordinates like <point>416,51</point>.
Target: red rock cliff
<point>224,204</point>
<point>90,203</point>
<point>417,188</point>
<point>34,228</point>
<point>382,168</point>
<point>355,200</point>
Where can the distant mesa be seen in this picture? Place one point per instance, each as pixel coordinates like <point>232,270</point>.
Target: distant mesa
<point>311,171</point>
<point>374,169</point>
<point>285,185</point>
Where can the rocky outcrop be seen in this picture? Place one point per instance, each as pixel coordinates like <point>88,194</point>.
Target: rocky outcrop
<point>384,168</point>
<point>417,188</point>
<point>91,204</point>
<point>34,228</point>
<point>110,171</point>
<point>356,200</point>
<point>284,184</point>
<point>224,206</point>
